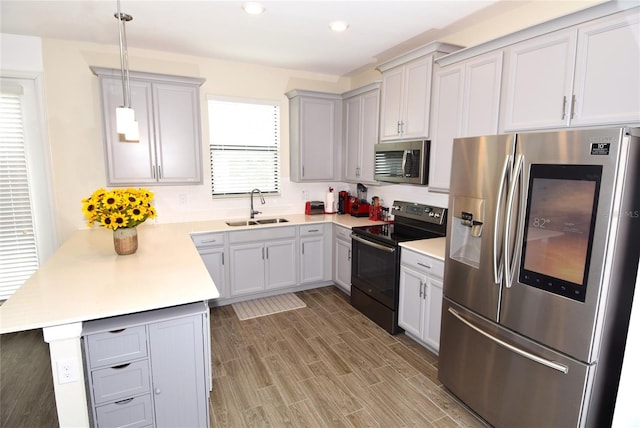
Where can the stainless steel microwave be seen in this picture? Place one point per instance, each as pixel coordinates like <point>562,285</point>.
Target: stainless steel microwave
<point>402,162</point>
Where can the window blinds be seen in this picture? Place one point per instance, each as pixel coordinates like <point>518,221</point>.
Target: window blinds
<point>18,251</point>
<point>244,147</point>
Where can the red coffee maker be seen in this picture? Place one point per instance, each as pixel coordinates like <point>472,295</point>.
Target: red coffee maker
<point>343,202</point>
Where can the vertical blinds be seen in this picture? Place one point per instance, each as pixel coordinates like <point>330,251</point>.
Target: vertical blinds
<point>244,147</point>
<point>18,251</point>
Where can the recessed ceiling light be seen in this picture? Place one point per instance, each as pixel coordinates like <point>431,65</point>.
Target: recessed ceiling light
<point>253,8</point>
<point>338,26</point>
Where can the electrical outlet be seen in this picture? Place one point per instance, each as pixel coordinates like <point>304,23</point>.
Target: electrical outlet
<point>182,199</point>
<point>305,195</point>
<point>67,371</point>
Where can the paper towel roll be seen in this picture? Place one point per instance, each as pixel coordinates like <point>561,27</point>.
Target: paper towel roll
<point>330,203</point>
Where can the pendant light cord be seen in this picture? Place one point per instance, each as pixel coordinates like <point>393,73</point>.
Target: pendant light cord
<point>124,55</point>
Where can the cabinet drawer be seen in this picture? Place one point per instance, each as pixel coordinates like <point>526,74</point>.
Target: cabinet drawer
<point>120,382</point>
<point>311,230</point>
<point>208,239</point>
<point>426,264</point>
<point>262,234</point>
<point>130,413</point>
<point>343,233</point>
<point>118,346</point>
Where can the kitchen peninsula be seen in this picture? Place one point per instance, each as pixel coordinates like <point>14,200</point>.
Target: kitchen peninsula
<point>85,280</point>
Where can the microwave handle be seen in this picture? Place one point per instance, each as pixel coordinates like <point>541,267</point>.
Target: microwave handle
<point>404,163</point>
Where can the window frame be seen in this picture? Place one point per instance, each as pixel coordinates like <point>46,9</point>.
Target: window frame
<point>278,172</point>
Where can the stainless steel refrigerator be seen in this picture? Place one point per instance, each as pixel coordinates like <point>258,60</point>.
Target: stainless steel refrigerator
<point>542,252</point>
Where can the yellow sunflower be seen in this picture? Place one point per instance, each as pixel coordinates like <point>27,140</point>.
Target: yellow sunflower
<point>137,213</point>
<point>110,200</point>
<point>118,220</point>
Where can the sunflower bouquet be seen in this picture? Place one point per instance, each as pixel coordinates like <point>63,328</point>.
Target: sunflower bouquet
<point>118,208</point>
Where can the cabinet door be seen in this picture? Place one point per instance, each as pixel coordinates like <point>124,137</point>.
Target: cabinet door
<point>353,138</point>
<point>213,259</point>
<point>539,82</point>
<point>342,264</point>
<point>417,98</point>
<point>433,312</point>
<point>312,262</point>
<point>607,82</point>
<point>317,138</point>
<point>481,99</point>
<point>246,268</point>
<point>177,133</point>
<point>280,264</point>
<point>391,103</point>
<point>178,372</point>
<point>412,285</point>
<point>129,162</point>
<point>447,106</point>
<point>370,115</point>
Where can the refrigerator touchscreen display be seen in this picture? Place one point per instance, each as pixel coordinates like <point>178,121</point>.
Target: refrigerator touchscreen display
<point>559,224</point>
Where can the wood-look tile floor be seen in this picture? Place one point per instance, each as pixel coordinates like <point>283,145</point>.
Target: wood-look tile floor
<point>325,365</point>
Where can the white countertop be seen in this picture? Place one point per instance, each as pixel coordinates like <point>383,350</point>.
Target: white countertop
<point>433,247</point>
<point>85,279</point>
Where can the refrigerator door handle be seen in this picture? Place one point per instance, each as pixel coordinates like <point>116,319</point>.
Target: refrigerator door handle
<point>508,263</point>
<point>497,267</point>
<point>548,363</point>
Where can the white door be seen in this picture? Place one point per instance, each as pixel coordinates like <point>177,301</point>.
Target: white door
<point>280,264</point>
<point>607,82</point>
<point>353,126</point>
<point>317,136</point>
<point>481,101</point>
<point>447,106</point>
<point>213,259</point>
<point>539,82</point>
<point>312,259</point>
<point>247,268</point>
<point>412,285</point>
<point>417,98</point>
<point>391,103</point>
<point>343,264</point>
<point>432,314</point>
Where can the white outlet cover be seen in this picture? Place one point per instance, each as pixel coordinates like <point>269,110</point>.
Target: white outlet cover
<point>67,371</point>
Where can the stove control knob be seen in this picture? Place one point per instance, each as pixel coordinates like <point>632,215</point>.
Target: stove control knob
<point>437,215</point>
<point>396,207</point>
<point>431,214</point>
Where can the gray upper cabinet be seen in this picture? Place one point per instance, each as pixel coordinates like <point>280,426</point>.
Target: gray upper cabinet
<point>406,92</point>
<point>167,109</point>
<point>315,135</point>
<point>361,112</point>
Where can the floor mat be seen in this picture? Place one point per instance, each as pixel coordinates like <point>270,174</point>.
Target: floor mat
<point>267,306</point>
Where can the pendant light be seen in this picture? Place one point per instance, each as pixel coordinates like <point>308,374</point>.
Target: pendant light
<point>125,117</point>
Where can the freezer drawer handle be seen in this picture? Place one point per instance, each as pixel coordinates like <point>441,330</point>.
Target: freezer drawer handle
<point>552,364</point>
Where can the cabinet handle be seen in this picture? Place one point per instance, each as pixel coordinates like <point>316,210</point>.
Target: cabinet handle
<point>262,253</point>
<point>303,248</point>
<point>573,105</point>
<point>125,401</point>
<point>424,266</point>
<point>303,170</point>
<point>117,331</point>
<point>398,128</point>
<point>121,366</point>
<point>208,241</point>
<point>267,252</point>
<point>349,254</point>
<point>222,259</point>
<point>564,107</point>
<point>312,230</point>
<point>159,172</point>
<point>402,126</point>
<point>153,172</point>
<point>421,289</point>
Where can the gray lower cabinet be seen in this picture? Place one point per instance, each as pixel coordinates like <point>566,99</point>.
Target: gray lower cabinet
<point>342,257</point>
<point>150,369</point>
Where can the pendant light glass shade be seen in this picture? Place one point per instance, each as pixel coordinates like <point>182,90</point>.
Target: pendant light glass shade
<point>133,132</point>
<point>125,116</point>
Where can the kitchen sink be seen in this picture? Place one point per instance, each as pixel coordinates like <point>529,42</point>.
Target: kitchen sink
<point>272,220</point>
<point>256,222</point>
<point>241,223</point>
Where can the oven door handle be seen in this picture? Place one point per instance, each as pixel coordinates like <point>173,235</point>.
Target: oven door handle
<point>373,244</point>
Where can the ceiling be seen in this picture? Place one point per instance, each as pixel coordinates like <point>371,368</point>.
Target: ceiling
<point>289,34</point>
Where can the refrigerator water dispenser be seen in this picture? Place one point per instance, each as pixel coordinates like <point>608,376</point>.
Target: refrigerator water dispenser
<point>466,230</point>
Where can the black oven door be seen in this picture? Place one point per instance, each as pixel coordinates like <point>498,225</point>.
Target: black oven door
<point>374,270</point>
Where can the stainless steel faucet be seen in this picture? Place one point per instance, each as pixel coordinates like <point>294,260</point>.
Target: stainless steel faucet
<point>254,212</point>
